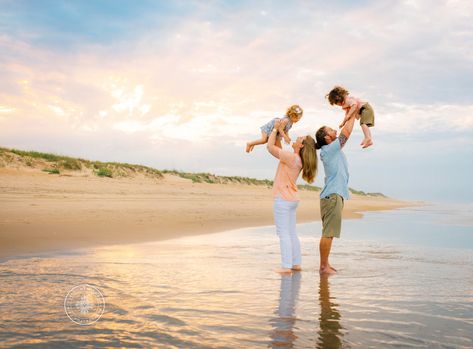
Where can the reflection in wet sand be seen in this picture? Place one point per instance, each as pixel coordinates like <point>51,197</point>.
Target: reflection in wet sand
<point>220,291</point>
<point>329,332</point>
<point>282,335</point>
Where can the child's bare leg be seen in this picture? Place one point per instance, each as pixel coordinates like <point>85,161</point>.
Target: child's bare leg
<point>262,140</point>
<point>367,141</point>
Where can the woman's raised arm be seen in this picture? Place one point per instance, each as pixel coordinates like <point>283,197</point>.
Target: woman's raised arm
<point>272,148</point>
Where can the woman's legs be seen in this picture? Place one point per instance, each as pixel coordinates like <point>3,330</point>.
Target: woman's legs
<point>282,220</point>
<point>296,245</point>
<point>285,220</point>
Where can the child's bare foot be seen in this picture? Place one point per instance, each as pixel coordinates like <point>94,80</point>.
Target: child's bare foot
<point>296,267</point>
<point>284,271</point>
<point>366,143</point>
<point>249,147</point>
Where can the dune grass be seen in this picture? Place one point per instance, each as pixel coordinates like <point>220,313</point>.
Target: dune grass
<point>362,193</point>
<point>102,169</point>
<point>308,187</point>
<point>51,170</point>
<point>204,177</point>
<point>104,172</point>
<point>121,169</point>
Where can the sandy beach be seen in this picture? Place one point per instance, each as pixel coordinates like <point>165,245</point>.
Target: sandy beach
<point>44,212</point>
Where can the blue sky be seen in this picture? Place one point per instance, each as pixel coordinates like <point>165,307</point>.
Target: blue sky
<point>184,85</point>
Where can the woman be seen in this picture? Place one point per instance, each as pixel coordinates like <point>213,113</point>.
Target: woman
<point>285,194</point>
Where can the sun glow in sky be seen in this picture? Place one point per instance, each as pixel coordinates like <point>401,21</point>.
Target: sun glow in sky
<point>184,85</point>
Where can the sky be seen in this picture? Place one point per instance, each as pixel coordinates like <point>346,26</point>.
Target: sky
<point>185,84</point>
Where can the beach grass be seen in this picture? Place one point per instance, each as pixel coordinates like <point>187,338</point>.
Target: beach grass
<point>204,177</point>
<point>362,193</point>
<point>51,170</point>
<point>308,187</point>
<point>104,172</point>
<point>54,163</point>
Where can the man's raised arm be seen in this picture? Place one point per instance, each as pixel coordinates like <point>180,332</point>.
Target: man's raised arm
<point>346,131</point>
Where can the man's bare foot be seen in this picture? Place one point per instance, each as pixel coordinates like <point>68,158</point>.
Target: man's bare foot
<point>296,267</point>
<point>284,271</point>
<point>332,268</point>
<point>327,270</point>
<point>366,143</point>
<point>249,147</point>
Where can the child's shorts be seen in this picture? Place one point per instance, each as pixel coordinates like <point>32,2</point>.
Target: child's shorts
<point>268,127</point>
<point>367,115</point>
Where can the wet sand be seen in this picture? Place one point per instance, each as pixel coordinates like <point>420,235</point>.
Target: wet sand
<point>220,291</point>
<point>42,212</point>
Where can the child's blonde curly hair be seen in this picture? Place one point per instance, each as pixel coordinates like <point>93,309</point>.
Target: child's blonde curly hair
<point>337,95</point>
<point>294,112</point>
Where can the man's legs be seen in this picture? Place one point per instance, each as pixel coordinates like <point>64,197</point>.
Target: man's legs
<point>331,212</point>
<point>324,248</point>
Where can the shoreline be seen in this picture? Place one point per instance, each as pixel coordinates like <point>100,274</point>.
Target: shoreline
<point>46,213</point>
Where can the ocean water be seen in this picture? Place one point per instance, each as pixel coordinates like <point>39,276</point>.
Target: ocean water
<point>405,281</point>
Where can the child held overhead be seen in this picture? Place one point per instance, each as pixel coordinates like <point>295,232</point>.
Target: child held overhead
<point>354,107</point>
<point>293,115</point>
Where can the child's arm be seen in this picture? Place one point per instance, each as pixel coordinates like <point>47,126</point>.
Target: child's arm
<point>286,137</point>
<point>282,125</point>
<point>348,115</point>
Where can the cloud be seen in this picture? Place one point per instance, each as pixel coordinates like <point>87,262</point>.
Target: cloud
<point>208,75</point>
<point>375,49</point>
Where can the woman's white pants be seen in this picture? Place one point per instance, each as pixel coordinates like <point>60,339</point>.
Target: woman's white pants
<point>285,220</point>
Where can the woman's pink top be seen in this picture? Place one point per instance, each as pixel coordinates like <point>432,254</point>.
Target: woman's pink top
<point>350,101</point>
<point>289,168</point>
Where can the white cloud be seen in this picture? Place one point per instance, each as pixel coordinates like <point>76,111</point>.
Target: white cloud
<point>5,109</point>
<point>57,110</point>
<point>215,76</point>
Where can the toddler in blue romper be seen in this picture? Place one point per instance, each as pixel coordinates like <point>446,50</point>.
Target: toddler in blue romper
<point>293,115</point>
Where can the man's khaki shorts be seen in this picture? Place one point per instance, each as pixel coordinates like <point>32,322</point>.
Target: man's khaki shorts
<point>367,115</point>
<point>331,208</point>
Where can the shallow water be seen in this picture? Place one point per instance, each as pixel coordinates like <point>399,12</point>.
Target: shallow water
<point>220,291</point>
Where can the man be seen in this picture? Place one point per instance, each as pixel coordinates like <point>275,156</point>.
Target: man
<point>335,190</point>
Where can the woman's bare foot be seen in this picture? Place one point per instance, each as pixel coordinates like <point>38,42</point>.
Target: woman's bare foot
<point>284,271</point>
<point>332,267</point>
<point>366,142</point>
<point>249,147</point>
<point>296,267</point>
